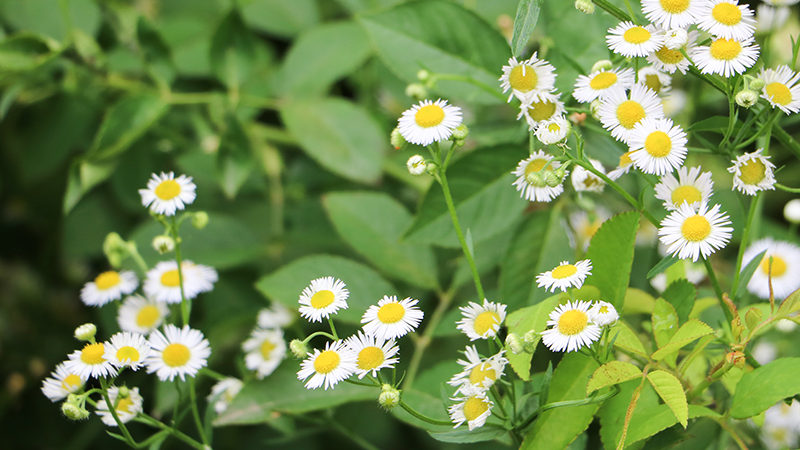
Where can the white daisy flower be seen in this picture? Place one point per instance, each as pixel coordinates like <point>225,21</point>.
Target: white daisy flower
<point>61,383</point>
<point>127,408</point>
<point>781,2</point>
<point>603,313</point>
<point>690,187</point>
<point>204,276</point>
<point>620,114</point>
<point>690,233</point>
<point>276,316</point>
<point>108,286</point>
<point>585,181</point>
<point>752,172</point>
<point>336,363</point>
<point>552,131</point>
<point>629,39</point>
<point>264,351</point>
<point>565,275</point>
<point>527,79</point>
<point>474,408</point>
<point>785,268</point>
<point>598,83</point>
<point>127,349</point>
<point>480,373</point>
<point>177,352</point>
<point>429,122</point>
<point>166,194</point>
<point>323,297</point>
<point>163,281</point>
<point>657,146</point>
<point>726,57</point>
<point>670,60</point>
<point>658,81</point>
<point>672,13</point>
<point>572,328</point>
<point>781,429</point>
<point>416,165</point>
<point>535,164</point>
<point>372,354</point>
<point>89,362</point>
<point>392,319</point>
<point>141,315</point>
<point>481,321</point>
<point>625,166</point>
<point>727,19</point>
<point>769,19</point>
<point>223,393</point>
<point>547,107</point>
<point>781,88</point>
<point>583,227</point>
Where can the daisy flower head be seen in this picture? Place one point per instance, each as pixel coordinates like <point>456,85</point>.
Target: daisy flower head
<point>429,122</point>
<point>202,275</point>
<point>785,269</point>
<point>328,367</point>
<point>552,131</point>
<point>565,275</point>
<point>726,57</point>
<point>584,227</point>
<point>264,351</point>
<point>572,327</point>
<point>657,146</point>
<point>474,408</point>
<point>141,315</point>
<point>629,39</point>
<point>527,79</point>
<point>163,283</point>
<point>372,354</point>
<point>672,13</point>
<point>690,233</point>
<point>127,408</point>
<point>547,107</point>
<point>781,2</point>
<point>479,372</point>
<point>727,19</point>
<point>691,187</point>
<point>540,192</point>
<point>177,352</point>
<point>620,114</point>
<point>323,297</point>
<point>61,383</point>
<point>127,349</point>
<point>658,81</point>
<point>625,165</point>
<point>781,88</point>
<point>223,393</point>
<point>276,316</point>
<point>769,19</point>
<point>585,181</point>
<point>781,427</point>
<point>752,172</point>
<point>481,321</point>
<point>670,60</point>
<point>89,362</point>
<point>166,194</point>
<point>603,313</point>
<point>392,319</point>
<point>598,83</point>
<point>109,286</point>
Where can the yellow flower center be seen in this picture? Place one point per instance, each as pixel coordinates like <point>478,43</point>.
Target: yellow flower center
<point>658,144</point>
<point>753,171</point>
<point>636,35</point>
<point>726,14</point>
<point>553,127</point>
<point>429,116</point>
<point>696,228</point>
<point>326,362</point>
<point>168,190</point>
<point>778,265</point>
<point>391,313</point>
<point>148,316</point>
<point>176,355</point>
<point>668,56</point>
<point>565,271</point>
<point>535,166</point>
<point>572,322</point>
<point>71,382</point>
<point>322,299</point>
<point>779,93</point>
<point>474,407</point>
<point>92,354</point>
<point>482,372</point>
<point>625,159</point>
<point>486,321</point>
<point>127,353</point>
<point>725,49</point>
<point>124,404</point>
<point>370,358</point>
<point>266,349</point>
<point>688,194</point>
<point>107,280</point>
<point>520,82</point>
<point>629,113</point>
<point>674,6</point>
<point>603,80</point>
<point>542,110</point>
<point>653,82</point>
<point>170,279</point>
<point>603,309</point>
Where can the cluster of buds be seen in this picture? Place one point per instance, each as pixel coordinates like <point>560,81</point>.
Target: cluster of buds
<point>547,177</point>
<point>748,96</point>
<point>525,343</point>
<point>389,397</point>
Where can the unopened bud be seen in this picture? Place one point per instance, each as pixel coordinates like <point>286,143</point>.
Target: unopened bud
<point>416,91</point>
<point>514,343</point>
<point>603,64</point>
<point>461,132</point>
<point>736,358</point>
<point>115,249</point>
<point>551,178</point>
<point>416,165</point>
<point>584,6</point>
<point>535,179</point>
<point>529,341</point>
<point>299,348</point>
<point>200,220</point>
<point>757,84</point>
<point>561,172</point>
<point>423,75</point>
<point>594,108</point>
<point>73,409</point>
<point>123,392</point>
<point>163,244</point>
<point>397,140</point>
<point>389,397</point>
<point>792,211</point>
<point>746,98</point>
<point>676,38</point>
<point>85,332</point>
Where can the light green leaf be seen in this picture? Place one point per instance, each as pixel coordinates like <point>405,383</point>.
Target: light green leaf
<point>665,322</point>
<point>523,320</point>
<point>524,24</point>
<point>124,123</point>
<point>611,373</point>
<point>25,51</point>
<point>362,6</point>
<point>233,50</point>
<point>691,330</point>
<point>662,265</point>
<point>611,253</point>
<point>463,435</point>
<point>234,159</point>
<point>765,386</point>
<point>281,17</point>
<point>747,273</point>
<point>790,305</point>
<point>753,318</point>
<point>638,301</point>
<point>627,339</point>
<point>156,51</point>
<point>612,413</point>
<point>47,16</point>
<point>670,390</point>
<point>681,295</point>
<point>342,136</point>
<point>650,421</point>
<point>365,285</point>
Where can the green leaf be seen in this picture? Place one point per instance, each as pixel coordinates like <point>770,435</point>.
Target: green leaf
<point>487,254</point>
<point>365,285</point>
<point>341,136</point>
<point>612,413</point>
<point>611,373</point>
<point>520,322</point>
<point>83,176</point>
<point>156,51</point>
<point>650,421</point>
<point>611,253</point>
<point>24,51</point>
<point>233,50</point>
<point>691,330</point>
<point>638,301</point>
<point>665,322</point>
<point>791,304</point>
<point>442,37</point>
<point>124,123</point>
<point>362,6</point>
<point>524,24</point>
<point>747,273</point>
<point>423,403</point>
<point>753,318</point>
<point>716,124</point>
<point>463,435</point>
<point>556,428</point>
<point>627,339</point>
<point>544,392</point>
<point>662,265</point>
<point>681,295</point>
<point>765,386</point>
<point>234,160</point>
<point>372,222</point>
<point>48,17</point>
<point>281,17</point>
<point>670,390</point>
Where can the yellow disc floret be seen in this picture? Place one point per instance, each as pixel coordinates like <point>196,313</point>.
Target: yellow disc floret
<point>726,14</point>
<point>779,93</point>
<point>326,362</point>
<point>625,159</point>
<point>127,353</point>
<point>696,228</point>
<point>653,82</point>
<point>391,313</point>
<point>481,372</point>
<point>107,280</point>
<point>753,172</point>
<point>148,316</point>
<point>668,56</point>
<point>523,82</point>
<point>629,113</point>
<point>778,266</point>
<point>603,80</point>
<point>535,166</point>
<point>725,49</point>
<point>266,349</point>
<point>658,144</point>
<point>572,322</point>
<point>636,35</point>
<point>674,6</point>
<point>486,321</point>
<point>474,407</point>
<point>429,116</point>
<point>168,189</point>
<point>171,278</point>
<point>322,299</point>
<point>124,404</point>
<point>71,382</point>
<point>542,110</point>
<point>370,358</point>
<point>565,271</point>
<point>176,355</point>
<point>687,193</point>
<point>92,354</point>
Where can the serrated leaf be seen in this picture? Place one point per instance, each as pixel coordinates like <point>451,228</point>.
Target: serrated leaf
<point>463,435</point>
<point>647,422</point>
<point>662,265</point>
<point>681,295</point>
<point>791,304</point>
<point>524,24</point>
<point>611,253</point>
<point>520,322</point>
<point>233,50</point>
<point>612,413</point>
<point>753,317</point>
<point>670,390</point>
<point>691,330</point>
<point>765,386</point>
<point>611,373</point>
<point>627,339</point>
<point>124,123</point>
<point>747,273</point>
<point>665,322</point>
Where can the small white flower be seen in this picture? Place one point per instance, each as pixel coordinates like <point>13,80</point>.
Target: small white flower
<point>625,166</point>
<point>726,57</point>
<point>781,88</point>
<point>372,354</point>
<point>474,408</point>
<point>177,352</point>
<point>585,181</point>
<point>565,275</point>
<point>264,351</point>
<point>108,286</point>
<point>690,233</point>
<point>603,313</point>
<point>479,372</point>
<point>752,172</point>
<point>547,107</point>
<point>791,211</point>
<point>670,60</point>
<point>597,84</point>
<point>658,81</point>
<point>629,39</point>
<point>323,297</point>
<point>785,268</point>
<point>392,319</point>
<point>416,165</point>
<point>127,408</point>
<point>691,187</point>
<point>481,321</point>
<point>140,315</point>
<point>769,19</point>
<point>657,146</point>
<point>552,131</point>
<point>584,227</point>
<point>429,122</point>
<point>276,316</point>
<point>336,363</point>
<point>572,328</point>
<point>535,164</point>
<point>671,13</point>
<point>166,194</point>
<point>127,349</point>
<point>163,282</point>
<point>620,114</point>
<point>61,383</point>
<point>781,428</point>
<point>528,79</point>
<point>676,38</point>
<point>223,393</point>
<point>89,362</point>
<point>727,19</point>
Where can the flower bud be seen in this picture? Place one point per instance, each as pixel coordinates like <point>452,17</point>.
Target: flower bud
<point>200,220</point>
<point>746,98</point>
<point>535,179</point>
<point>86,332</point>
<point>73,408</point>
<point>736,358</point>
<point>299,348</point>
<point>423,75</point>
<point>757,84</point>
<point>551,179</point>
<point>460,133</point>
<point>416,91</point>
<point>594,108</point>
<point>389,397</point>
<point>514,343</point>
<point>123,392</point>
<point>115,249</point>
<point>676,38</point>
<point>603,64</point>
<point>792,211</point>
<point>416,165</point>
<point>397,140</point>
<point>163,244</point>
<point>584,6</point>
<point>529,341</point>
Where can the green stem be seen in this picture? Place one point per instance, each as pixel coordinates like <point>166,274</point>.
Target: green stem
<point>787,188</point>
<point>613,10</point>
<point>319,333</point>
<point>767,127</point>
<point>185,307</point>
<point>137,258</point>
<point>747,124</point>
<point>361,383</point>
<point>196,412</point>
<point>158,424</point>
<point>732,115</point>
<point>697,390</point>
<point>743,244</point>
<point>585,401</point>
<point>113,410</point>
<point>630,11</point>
<point>635,203</point>
<point>427,337</point>
<point>215,375</point>
<point>333,329</point>
<point>423,417</point>
<point>717,289</point>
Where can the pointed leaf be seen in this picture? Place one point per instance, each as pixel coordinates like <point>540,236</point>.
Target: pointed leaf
<point>281,17</point>
<point>791,304</point>
<point>520,322</point>
<point>234,161</point>
<point>463,435</point>
<point>611,253</point>
<point>124,123</point>
<point>233,50</point>
<point>650,421</point>
<point>638,301</point>
<point>665,322</point>
<point>544,392</point>
<point>681,295</point>
<point>670,390</point>
<point>765,386</point>
<point>83,176</point>
<point>627,339</point>
<point>611,373</point>
<point>691,330</point>
<point>524,24</point>
<point>747,273</point>
<point>662,265</point>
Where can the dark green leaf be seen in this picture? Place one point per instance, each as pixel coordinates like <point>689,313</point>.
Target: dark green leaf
<point>747,273</point>
<point>423,403</point>
<point>83,176</point>
<point>765,386</point>
<point>544,392</point>
<point>281,17</point>
<point>524,24</point>
<point>124,123</point>
<point>612,413</point>
<point>716,124</point>
<point>234,160</point>
<point>463,435</point>
<point>233,50</point>
<point>611,253</point>
<point>662,265</point>
<point>681,295</point>
<point>156,52</point>
<point>24,51</point>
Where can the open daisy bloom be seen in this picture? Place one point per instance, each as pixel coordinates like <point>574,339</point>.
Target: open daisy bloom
<point>752,172</point>
<point>223,393</point>
<point>536,164</point>
<point>625,166</point>
<point>89,362</point>
<point>391,318</point>
<point>785,270</point>
<point>429,122</point>
<point>61,383</point>
<point>585,181</point>
<point>726,57</point>
<point>690,233</point>
<point>620,114</point>
<point>127,349</point>
<point>328,367</point>
<point>177,352</point>
<point>630,40</point>
<point>479,373</point>
<point>565,275</point>
<point>657,146</point>
<point>141,315</point>
<point>276,316</point>
<point>372,354</point>
<point>670,60</point>
<point>691,187</point>
<point>598,83</point>
<point>527,79</point>
<point>727,19</point>
<point>547,107</point>
<point>166,194</point>
<point>474,408</point>
<point>264,351</point>
<point>572,328</point>
<point>482,321</point>
<point>127,408</point>
<point>163,282</point>
<point>323,297</point>
<point>781,88</point>
<point>108,286</point>
<point>658,81</point>
<point>672,13</point>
